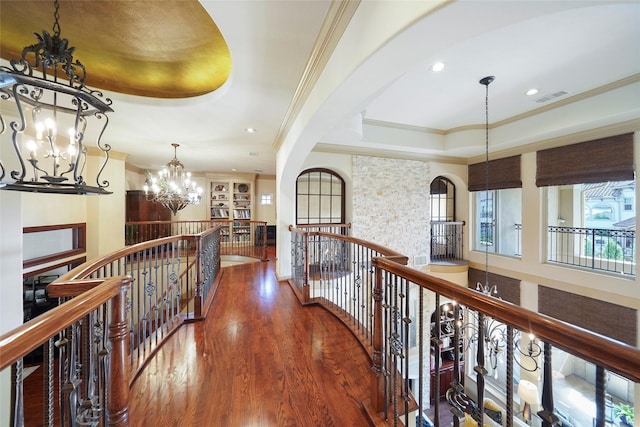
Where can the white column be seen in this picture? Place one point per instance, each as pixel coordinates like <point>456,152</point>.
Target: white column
<point>10,282</point>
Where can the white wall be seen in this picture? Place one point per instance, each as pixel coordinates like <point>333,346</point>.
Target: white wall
<point>10,282</point>
<point>265,184</point>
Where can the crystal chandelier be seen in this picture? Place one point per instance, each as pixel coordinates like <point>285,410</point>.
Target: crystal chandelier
<point>53,112</point>
<point>173,187</point>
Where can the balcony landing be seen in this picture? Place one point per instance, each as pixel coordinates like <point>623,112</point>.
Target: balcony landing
<point>448,266</point>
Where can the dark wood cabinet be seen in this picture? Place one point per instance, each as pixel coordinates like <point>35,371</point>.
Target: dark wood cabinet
<point>446,378</point>
<point>138,208</point>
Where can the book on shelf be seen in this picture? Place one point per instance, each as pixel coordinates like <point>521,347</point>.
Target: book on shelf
<point>242,214</point>
<point>220,213</point>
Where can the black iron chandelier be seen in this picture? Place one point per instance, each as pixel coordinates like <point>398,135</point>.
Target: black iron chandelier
<point>55,113</point>
<point>173,187</point>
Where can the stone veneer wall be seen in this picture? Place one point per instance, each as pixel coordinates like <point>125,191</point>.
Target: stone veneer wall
<point>391,204</point>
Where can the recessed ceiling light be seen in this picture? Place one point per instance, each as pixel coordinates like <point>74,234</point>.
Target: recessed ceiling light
<point>437,67</point>
<point>250,130</point>
<point>531,92</point>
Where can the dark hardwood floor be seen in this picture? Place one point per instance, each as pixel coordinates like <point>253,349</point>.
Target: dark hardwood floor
<point>260,359</point>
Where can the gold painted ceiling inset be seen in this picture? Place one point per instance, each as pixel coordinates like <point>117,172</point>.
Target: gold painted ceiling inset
<point>161,49</point>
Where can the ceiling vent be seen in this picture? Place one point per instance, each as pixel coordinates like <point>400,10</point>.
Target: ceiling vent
<point>552,96</point>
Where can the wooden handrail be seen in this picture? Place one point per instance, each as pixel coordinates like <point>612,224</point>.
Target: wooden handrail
<point>89,267</point>
<point>20,341</point>
<point>384,251</point>
<point>303,226</point>
<point>598,349</point>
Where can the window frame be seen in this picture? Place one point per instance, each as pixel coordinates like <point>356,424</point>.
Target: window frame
<point>321,197</point>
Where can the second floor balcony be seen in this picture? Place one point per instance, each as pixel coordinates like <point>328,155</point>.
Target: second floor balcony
<point>110,336</point>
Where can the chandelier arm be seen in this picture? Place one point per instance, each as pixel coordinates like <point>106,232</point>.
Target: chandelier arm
<point>172,189</point>
<point>38,79</point>
<point>18,127</point>
<point>106,148</point>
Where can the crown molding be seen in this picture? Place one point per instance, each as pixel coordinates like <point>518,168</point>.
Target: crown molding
<point>335,23</point>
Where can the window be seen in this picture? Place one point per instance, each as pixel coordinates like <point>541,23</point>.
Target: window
<point>266,199</point>
<point>319,197</point>
<point>498,216</point>
<point>590,190</point>
<point>602,212</point>
<point>497,200</point>
<point>594,227</point>
<point>443,195</point>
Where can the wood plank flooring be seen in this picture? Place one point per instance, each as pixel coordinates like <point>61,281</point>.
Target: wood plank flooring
<point>260,359</point>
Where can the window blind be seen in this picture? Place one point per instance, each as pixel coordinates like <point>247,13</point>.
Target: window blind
<point>503,173</point>
<point>599,160</point>
<point>608,319</point>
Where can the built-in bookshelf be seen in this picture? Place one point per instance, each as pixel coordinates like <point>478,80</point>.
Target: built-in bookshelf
<point>220,200</point>
<point>233,200</point>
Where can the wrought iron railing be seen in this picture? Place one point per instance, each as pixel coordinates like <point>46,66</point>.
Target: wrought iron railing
<point>170,281</point>
<point>447,241</point>
<point>404,299</point>
<point>518,246</point>
<point>593,248</point>
<point>241,237</point>
<point>343,229</point>
<point>84,366</point>
<point>335,270</point>
<point>396,313</point>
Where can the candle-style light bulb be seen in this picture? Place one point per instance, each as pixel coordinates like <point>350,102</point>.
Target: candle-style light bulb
<point>51,127</point>
<point>32,147</point>
<point>39,130</point>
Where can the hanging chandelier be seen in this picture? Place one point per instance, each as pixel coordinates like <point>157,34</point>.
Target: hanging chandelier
<point>173,187</point>
<point>53,112</point>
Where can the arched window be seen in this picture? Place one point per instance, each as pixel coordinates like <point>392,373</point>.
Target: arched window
<point>319,197</point>
<point>443,200</point>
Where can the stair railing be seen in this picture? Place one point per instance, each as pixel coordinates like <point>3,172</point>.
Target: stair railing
<point>388,307</point>
<point>241,237</point>
<point>404,298</point>
<point>171,281</point>
<point>335,271</point>
<point>87,341</point>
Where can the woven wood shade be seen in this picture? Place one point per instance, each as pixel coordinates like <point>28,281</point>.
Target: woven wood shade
<point>600,160</point>
<point>602,317</point>
<point>508,287</point>
<point>503,173</point>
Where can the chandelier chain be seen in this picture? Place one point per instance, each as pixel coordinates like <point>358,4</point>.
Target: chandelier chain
<point>56,17</point>
<point>486,81</point>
